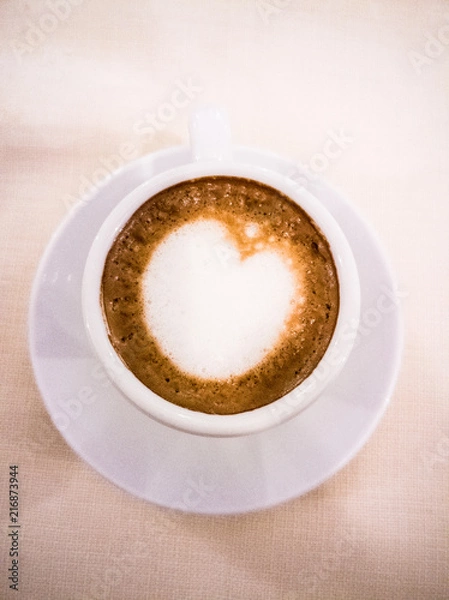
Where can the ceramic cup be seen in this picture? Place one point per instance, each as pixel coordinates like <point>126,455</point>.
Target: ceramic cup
<point>211,154</point>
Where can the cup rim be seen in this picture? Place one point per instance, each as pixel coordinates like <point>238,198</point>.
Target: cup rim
<point>260,418</point>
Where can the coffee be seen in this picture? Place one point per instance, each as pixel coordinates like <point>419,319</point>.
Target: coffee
<point>220,294</point>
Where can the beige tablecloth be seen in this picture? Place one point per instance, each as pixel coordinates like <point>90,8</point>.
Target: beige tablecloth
<point>87,85</point>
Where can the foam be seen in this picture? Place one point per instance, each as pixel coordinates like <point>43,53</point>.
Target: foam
<point>213,314</point>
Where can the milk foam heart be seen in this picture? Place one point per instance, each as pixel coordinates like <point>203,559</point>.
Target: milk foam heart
<point>214,314</point>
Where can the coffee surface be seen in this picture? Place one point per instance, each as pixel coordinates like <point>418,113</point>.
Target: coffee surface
<point>220,294</point>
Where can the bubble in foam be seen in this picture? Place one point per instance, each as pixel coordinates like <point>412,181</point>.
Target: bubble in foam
<point>251,230</point>
<point>215,318</point>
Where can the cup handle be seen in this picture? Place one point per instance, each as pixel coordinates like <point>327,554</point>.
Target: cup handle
<point>210,135</point>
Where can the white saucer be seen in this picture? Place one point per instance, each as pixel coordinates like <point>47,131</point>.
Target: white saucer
<point>179,470</point>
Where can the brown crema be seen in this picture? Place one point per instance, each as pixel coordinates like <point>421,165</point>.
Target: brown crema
<point>282,226</point>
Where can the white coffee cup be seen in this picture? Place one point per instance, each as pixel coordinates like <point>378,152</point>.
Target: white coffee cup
<point>212,155</point>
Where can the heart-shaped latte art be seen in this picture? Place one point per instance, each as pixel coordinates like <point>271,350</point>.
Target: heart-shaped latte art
<point>214,314</point>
